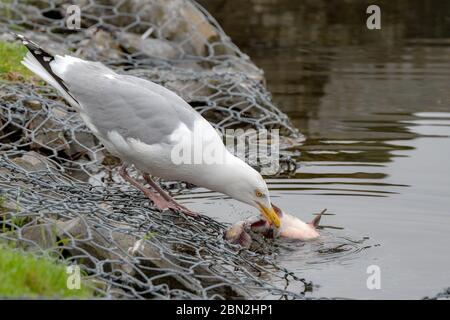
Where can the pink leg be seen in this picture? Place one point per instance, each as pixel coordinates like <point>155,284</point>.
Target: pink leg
<point>158,201</point>
<point>167,197</point>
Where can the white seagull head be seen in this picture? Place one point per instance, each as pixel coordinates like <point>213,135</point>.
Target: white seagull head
<point>243,183</point>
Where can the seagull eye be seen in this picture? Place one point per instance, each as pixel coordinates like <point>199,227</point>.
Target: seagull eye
<point>259,194</point>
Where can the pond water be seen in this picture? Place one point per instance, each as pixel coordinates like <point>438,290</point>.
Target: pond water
<point>375,109</point>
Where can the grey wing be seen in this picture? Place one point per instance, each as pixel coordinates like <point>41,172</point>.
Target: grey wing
<point>154,87</point>
<point>130,107</point>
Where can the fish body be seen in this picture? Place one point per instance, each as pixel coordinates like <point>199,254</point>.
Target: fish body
<point>294,228</point>
<point>291,228</point>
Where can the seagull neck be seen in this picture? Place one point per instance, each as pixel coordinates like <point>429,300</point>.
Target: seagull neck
<point>225,177</point>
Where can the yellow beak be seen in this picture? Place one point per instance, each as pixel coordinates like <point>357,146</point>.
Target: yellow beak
<point>270,215</point>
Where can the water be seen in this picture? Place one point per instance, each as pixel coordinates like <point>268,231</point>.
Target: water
<point>375,108</point>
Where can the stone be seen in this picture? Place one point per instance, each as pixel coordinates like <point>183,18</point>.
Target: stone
<point>7,205</point>
<point>178,21</point>
<point>99,46</point>
<point>82,142</point>
<point>190,89</point>
<point>8,208</point>
<point>110,246</point>
<point>33,104</point>
<point>6,37</point>
<point>46,131</point>
<point>32,161</point>
<point>203,31</point>
<point>244,67</point>
<point>8,96</point>
<point>157,48</point>
<point>42,235</point>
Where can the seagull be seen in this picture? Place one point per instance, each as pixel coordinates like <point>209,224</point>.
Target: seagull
<point>143,123</point>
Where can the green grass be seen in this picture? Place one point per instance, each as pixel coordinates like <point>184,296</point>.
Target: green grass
<point>15,221</point>
<point>10,56</point>
<point>23,274</point>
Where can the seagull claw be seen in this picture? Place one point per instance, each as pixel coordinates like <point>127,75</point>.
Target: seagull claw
<point>179,208</point>
<point>170,202</point>
<point>164,205</point>
<point>161,200</point>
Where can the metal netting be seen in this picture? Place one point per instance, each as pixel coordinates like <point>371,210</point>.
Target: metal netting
<point>60,193</point>
<point>443,295</point>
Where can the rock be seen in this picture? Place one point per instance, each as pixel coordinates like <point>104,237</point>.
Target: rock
<point>6,37</point>
<point>203,31</point>
<point>143,255</point>
<point>83,142</point>
<point>178,21</point>
<point>32,161</point>
<point>7,205</point>
<point>42,235</point>
<point>35,105</point>
<point>75,227</point>
<point>110,246</point>
<point>117,293</point>
<point>13,76</point>
<point>189,65</point>
<point>8,208</point>
<point>157,48</point>
<point>245,67</point>
<point>137,246</point>
<point>7,96</point>
<point>150,256</point>
<point>189,89</point>
<point>121,253</point>
<point>46,131</point>
<point>100,46</point>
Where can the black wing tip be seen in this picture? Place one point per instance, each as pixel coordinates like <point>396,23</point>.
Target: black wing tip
<point>33,47</point>
<point>40,54</point>
<point>17,35</point>
<point>43,57</point>
<point>26,42</point>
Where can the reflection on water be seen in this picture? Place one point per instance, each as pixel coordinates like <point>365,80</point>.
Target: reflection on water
<point>375,108</point>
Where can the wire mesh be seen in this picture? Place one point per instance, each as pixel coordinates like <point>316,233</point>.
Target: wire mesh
<point>60,191</point>
<point>443,295</point>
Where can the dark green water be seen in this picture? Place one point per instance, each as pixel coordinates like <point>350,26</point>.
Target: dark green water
<point>375,108</point>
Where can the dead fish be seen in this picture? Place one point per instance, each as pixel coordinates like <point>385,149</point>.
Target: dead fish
<point>294,228</point>
<point>291,228</point>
